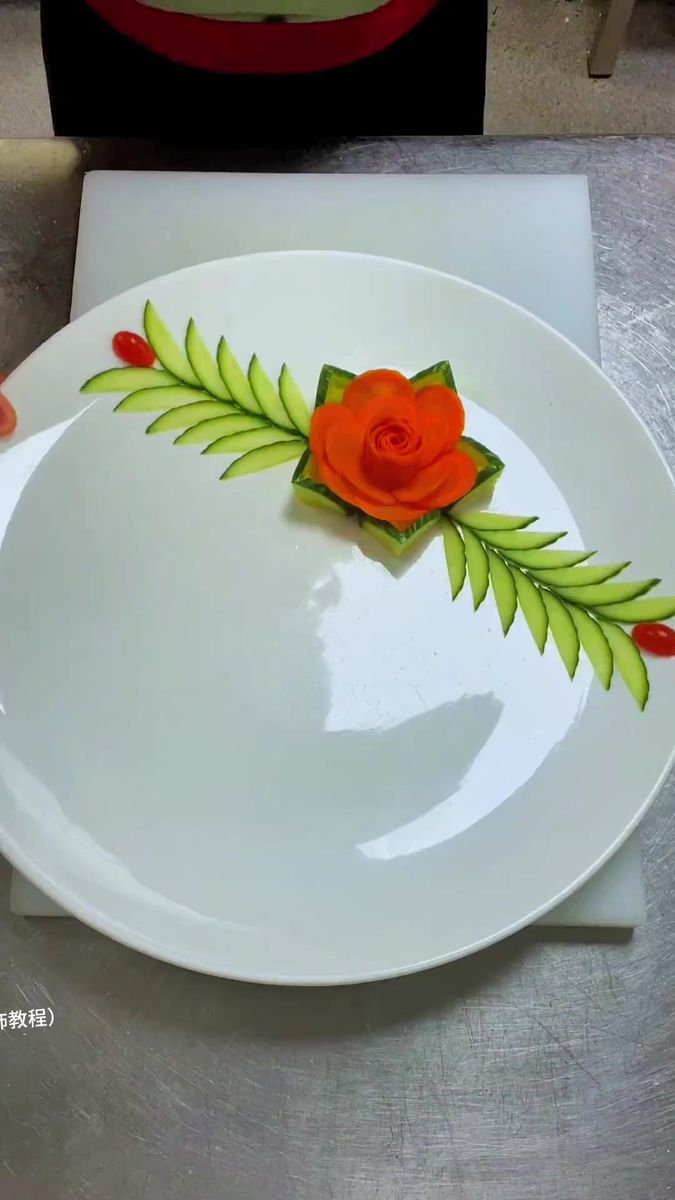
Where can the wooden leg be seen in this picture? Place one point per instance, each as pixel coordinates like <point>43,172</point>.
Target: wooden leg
<point>602,59</point>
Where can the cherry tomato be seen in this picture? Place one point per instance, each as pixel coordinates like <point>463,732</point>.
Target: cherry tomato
<point>655,639</point>
<point>133,349</point>
<point>7,415</point>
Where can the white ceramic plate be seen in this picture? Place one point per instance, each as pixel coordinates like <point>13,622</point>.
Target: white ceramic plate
<point>233,739</point>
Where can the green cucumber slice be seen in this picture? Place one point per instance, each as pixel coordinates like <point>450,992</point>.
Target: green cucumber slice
<point>536,560</point>
<point>188,414</point>
<point>203,363</point>
<point>234,379</point>
<point>128,379</point>
<point>455,557</point>
<point>294,402</point>
<point>574,577</point>
<point>248,439</point>
<point>564,632</point>
<point>159,398</point>
<point>495,521</point>
<point>504,590</point>
<point>316,497</point>
<point>397,541</point>
<point>515,540</point>
<point>599,594</point>
<point>167,350</point>
<point>477,567</point>
<point>594,644</point>
<point>439,373</point>
<point>630,663</point>
<point>264,457</point>
<point>208,431</point>
<point>266,394</point>
<point>635,611</point>
<point>533,608</point>
<point>333,382</point>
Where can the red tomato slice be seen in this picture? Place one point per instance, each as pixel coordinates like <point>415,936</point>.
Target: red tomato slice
<point>655,639</point>
<point>133,349</point>
<point>7,417</point>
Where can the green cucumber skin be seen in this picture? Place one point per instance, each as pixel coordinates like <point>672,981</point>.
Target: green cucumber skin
<point>532,560</point>
<point>187,414</point>
<point>396,542</point>
<point>503,589</point>
<point>203,363</point>
<point>636,611</point>
<point>594,644</point>
<point>455,557</point>
<point>264,457</point>
<point>602,594</point>
<point>518,541</point>
<point>128,379</point>
<point>398,539</point>
<point>208,431</point>
<point>318,497</point>
<point>331,377</point>
<point>166,348</point>
<point>266,395</point>
<point>494,521</point>
<point>628,661</point>
<point>533,608</point>
<point>574,577</point>
<point>563,631</point>
<point>294,402</point>
<point>235,380</point>
<point>160,399</point>
<point>478,568</point>
<point>250,439</point>
<point>440,372</point>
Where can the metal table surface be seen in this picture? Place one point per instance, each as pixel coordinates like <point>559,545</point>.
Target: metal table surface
<point>543,1067</point>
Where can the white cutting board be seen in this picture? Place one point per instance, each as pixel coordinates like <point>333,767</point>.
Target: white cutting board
<point>527,237</point>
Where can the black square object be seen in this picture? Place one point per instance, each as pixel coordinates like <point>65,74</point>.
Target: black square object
<point>431,82</point>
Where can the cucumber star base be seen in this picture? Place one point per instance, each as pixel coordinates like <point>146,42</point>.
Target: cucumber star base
<point>333,382</point>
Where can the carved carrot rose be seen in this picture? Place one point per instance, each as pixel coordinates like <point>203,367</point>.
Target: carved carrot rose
<point>391,451</point>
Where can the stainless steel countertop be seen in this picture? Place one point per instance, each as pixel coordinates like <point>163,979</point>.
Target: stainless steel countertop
<point>542,1068</point>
